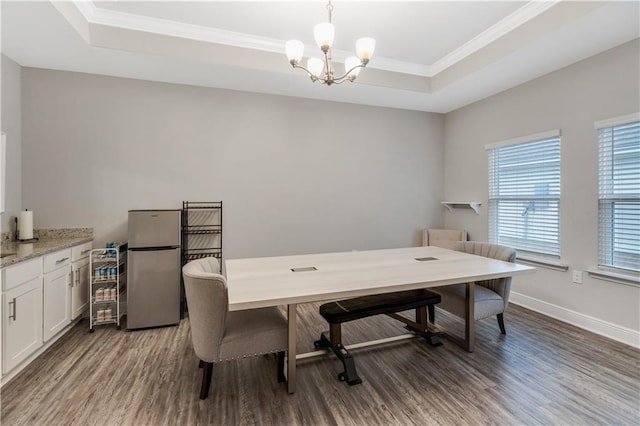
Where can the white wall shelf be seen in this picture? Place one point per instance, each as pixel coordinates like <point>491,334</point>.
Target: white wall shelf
<point>450,205</point>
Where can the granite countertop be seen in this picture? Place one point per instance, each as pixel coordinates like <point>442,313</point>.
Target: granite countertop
<point>48,243</point>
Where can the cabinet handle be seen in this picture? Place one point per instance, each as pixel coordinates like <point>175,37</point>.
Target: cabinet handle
<point>85,251</point>
<point>15,309</point>
<point>62,260</point>
<point>71,279</point>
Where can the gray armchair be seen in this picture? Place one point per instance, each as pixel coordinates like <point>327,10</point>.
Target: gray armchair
<point>491,296</point>
<point>220,335</point>
<point>445,238</point>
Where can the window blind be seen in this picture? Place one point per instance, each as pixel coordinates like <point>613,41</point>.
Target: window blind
<point>619,196</point>
<point>524,195</point>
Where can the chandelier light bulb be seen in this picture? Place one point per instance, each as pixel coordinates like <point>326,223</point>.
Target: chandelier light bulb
<point>295,50</point>
<point>364,48</point>
<point>352,62</point>
<point>324,34</point>
<point>315,66</point>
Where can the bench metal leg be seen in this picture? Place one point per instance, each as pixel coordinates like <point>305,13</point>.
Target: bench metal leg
<point>335,334</point>
<point>421,315</point>
<point>420,326</point>
<point>350,373</point>
<point>432,339</point>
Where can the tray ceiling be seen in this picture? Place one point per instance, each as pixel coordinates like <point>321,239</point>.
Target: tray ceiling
<point>430,56</point>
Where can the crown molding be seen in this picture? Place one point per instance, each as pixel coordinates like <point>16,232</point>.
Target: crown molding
<point>509,23</point>
<point>87,8</point>
<point>76,17</point>
<point>116,19</point>
<point>111,18</point>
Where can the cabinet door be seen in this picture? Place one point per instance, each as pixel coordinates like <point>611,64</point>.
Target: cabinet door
<point>21,323</point>
<point>56,301</point>
<point>79,287</point>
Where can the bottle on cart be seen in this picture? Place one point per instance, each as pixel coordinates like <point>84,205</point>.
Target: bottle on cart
<point>107,268</point>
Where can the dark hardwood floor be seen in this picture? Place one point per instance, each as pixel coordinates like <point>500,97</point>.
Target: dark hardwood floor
<point>542,372</point>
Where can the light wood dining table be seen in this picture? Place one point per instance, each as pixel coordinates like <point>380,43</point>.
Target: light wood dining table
<point>292,280</point>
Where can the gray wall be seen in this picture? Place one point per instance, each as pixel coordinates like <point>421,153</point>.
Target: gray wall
<point>295,175</point>
<point>12,126</point>
<point>571,99</point>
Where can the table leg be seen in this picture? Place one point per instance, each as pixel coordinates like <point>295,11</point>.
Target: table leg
<point>291,348</point>
<point>470,318</point>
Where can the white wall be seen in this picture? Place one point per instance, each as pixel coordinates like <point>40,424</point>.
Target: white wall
<point>570,99</point>
<point>295,175</point>
<point>11,125</point>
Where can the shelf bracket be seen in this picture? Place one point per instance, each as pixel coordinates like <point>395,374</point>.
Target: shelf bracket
<point>450,205</point>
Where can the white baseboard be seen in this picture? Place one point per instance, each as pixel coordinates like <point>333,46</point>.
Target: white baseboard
<point>595,325</point>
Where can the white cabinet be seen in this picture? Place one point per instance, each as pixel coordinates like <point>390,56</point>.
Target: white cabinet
<point>79,279</point>
<point>39,298</point>
<point>56,292</point>
<point>22,312</point>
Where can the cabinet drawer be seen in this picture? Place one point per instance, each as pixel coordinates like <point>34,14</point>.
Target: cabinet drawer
<point>57,260</point>
<point>15,275</point>
<point>81,251</point>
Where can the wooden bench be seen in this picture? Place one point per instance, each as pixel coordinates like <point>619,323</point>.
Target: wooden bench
<point>390,304</point>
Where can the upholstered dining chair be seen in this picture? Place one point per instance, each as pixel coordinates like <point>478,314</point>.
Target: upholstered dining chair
<point>491,296</point>
<point>445,238</point>
<point>219,335</point>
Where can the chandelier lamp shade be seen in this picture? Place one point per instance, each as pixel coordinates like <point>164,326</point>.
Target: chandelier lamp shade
<point>322,69</point>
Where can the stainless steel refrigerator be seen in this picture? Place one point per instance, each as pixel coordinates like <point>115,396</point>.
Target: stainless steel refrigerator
<point>153,268</point>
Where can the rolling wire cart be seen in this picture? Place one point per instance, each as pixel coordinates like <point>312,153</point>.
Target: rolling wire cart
<point>107,284</point>
<point>201,235</point>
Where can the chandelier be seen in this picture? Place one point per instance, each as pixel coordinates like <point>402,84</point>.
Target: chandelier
<point>323,70</point>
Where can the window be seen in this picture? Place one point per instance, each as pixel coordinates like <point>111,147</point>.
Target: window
<point>619,193</point>
<point>524,193</point>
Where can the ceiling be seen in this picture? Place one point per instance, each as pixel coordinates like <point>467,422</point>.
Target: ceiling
<point>430,56</point>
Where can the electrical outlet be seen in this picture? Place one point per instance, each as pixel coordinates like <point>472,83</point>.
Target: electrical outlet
<point>577,277</point>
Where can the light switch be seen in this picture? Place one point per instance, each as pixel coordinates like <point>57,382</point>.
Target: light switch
<point>577,277</point>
